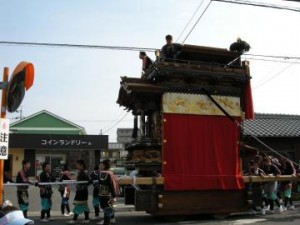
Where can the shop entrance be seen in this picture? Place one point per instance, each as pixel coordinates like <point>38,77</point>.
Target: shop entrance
<point>8,164</point>
<point>56,161</point>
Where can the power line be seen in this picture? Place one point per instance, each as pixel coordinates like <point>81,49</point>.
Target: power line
<point>39,44</point>
<point>270,60</point>
<point>202,14</point>
<point>97,121</point>
<point>128,48</point>
<point>276,75</point>
<point>115,119</point>
<point>186,26</point>
<point>273,56</point>
<point>270,73</point>
<point>116,123</point>
<point>260,4</point>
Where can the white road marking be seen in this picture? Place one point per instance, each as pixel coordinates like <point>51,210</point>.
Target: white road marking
<point>247,221</point>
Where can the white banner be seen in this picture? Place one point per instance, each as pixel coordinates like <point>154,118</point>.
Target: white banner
<point>4,136</point>
<point>200,104</point>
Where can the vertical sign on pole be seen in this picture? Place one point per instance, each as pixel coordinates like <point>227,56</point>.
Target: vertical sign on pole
<point>3,115</point>
<point>4,135</point>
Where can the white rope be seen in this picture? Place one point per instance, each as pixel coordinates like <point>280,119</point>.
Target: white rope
<point>123,177</point>
<point>59,183</point>
<point>49,183</point>
<point>17,184</point>
<point>136,187</point>
<point>133,177</point>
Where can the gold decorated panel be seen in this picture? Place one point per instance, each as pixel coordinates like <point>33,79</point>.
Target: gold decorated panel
<point>200,104</point>
<point>145,156</point>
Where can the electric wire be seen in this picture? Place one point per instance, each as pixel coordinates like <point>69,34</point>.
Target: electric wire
<point>271,72</point>
<point>270,60</point>
<point>97,121</point>
<point>44,44</point>
<point>114,120</point>
<point>192,17</point>
<point>116,123</point>
<point>275,69</point>
<point>199,18</point>
<point>271,78</point>
<point>273,56</point>
<point>128,48</point>
<point>260,4</point>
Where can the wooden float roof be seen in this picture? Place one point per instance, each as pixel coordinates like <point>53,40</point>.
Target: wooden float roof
<point>195,68</point>
<point>208,54</point>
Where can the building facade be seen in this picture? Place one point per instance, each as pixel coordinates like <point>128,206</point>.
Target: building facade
<point>116,150</point>
<point>124,135</point>
<point>280,132</point>
<point>46,137</point>
<point>113,153</point>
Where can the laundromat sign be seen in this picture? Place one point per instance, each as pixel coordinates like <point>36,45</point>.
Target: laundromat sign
<point>4,138</point>
<point>44,141</point>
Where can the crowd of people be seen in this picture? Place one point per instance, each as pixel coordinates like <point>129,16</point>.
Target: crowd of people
<point>105,190</point>
<point>267,194</point>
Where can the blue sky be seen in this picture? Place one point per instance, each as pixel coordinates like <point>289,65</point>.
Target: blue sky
<point>82,84</point>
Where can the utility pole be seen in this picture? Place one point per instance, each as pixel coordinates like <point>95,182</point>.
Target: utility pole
<point>3,115</point>
<point>13,92</point>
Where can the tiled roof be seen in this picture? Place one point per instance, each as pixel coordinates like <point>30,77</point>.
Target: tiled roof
<point>273,125</point>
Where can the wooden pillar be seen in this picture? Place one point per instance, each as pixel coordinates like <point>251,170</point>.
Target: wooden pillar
<point>142,124</point>
<point>135,127</point>
<point>149,126</point>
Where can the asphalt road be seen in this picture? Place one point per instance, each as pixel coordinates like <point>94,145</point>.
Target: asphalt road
<point>10,193</point>
<point>127,216</point>
<point>137,218</point>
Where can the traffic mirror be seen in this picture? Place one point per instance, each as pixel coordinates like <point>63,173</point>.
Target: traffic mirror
<point>20,81</point>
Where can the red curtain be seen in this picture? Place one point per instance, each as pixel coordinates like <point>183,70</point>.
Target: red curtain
<point>248,101</point>
<point>201,153</point>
